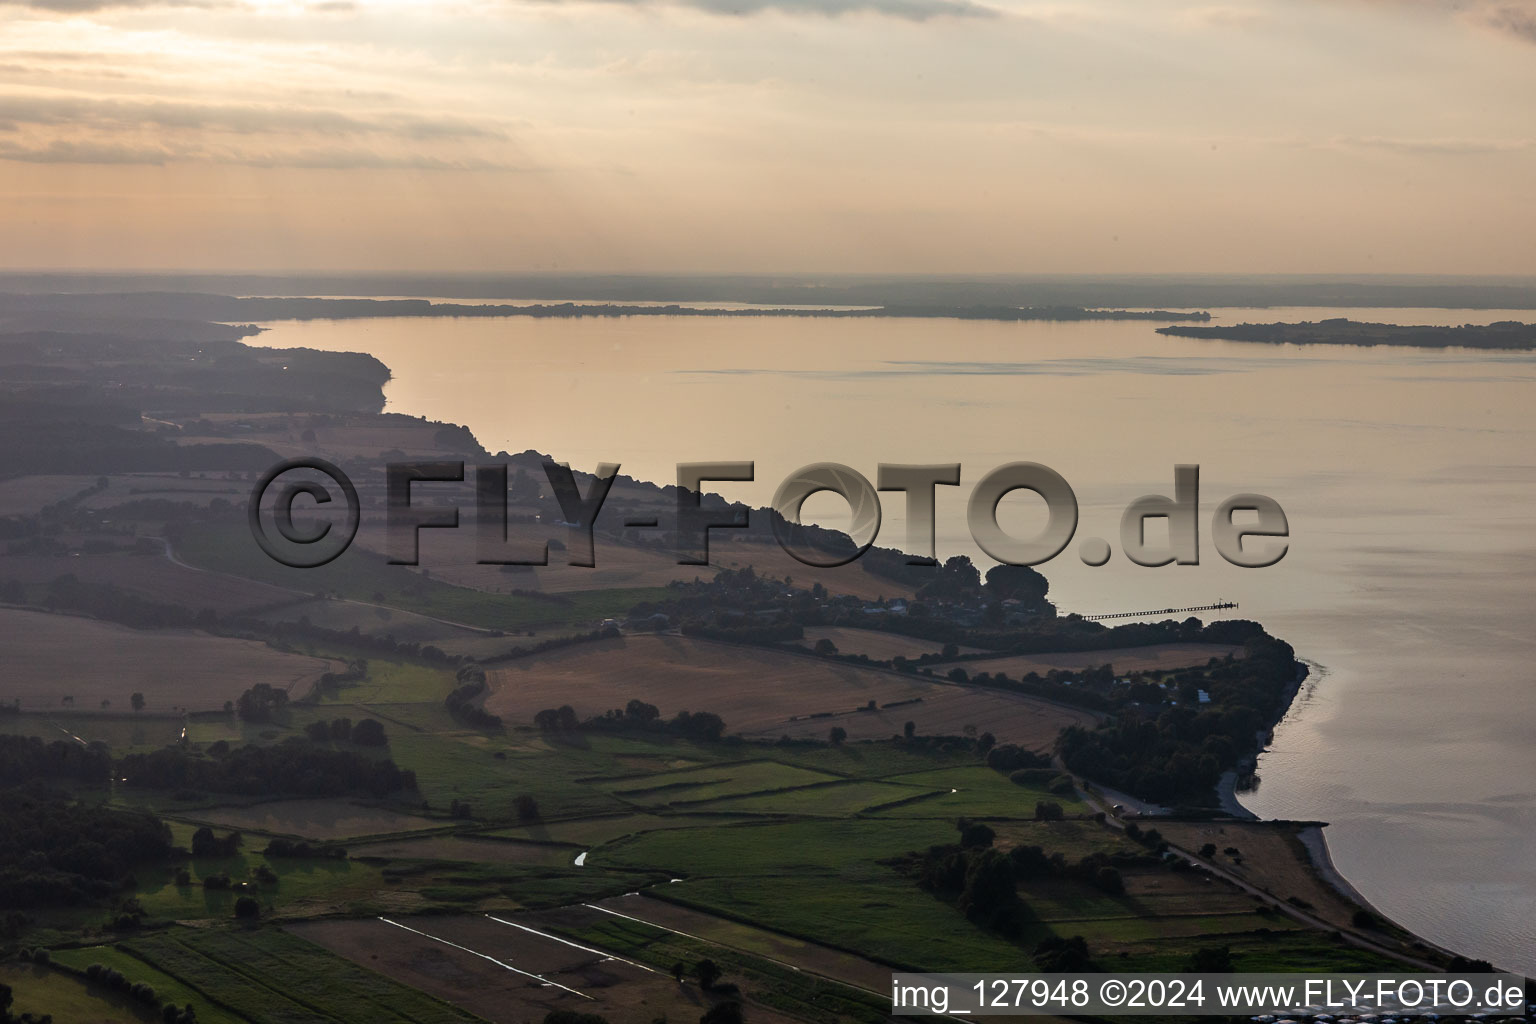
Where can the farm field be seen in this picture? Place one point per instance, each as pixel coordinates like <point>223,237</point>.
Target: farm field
<point>798,953</point>
<point>405,627</point>
<point>363,575</point>
<point>876,644</point>
<point>494,970</point>
<point>1152,658</point>
<point>465,848</point>
<point>123,731</point>
<point>711,782</point>
<point>89,662</point>
<point>167,989</point>
<point>316,819</point>
<point>152,577</point>
<point>25,495</point>
<point>43,990</point>
<point>275,977</point>
<point>761,692</point>
<point>1272,857</point>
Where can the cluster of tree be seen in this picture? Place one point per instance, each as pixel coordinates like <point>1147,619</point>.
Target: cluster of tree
<point>1009,758</point>
<point>205,843</point>
<point>297,848</point>
<point>745,632</point>
<point>1177,754</point>
<point>636,715</point>
<point>366,733</point>
<point>461,702</point>
<point>554,643</point>
<point>384,644</point>
<point>24,758</point>
<point>141,991</point>
<point>261,703</point>
<point>294,766</point>
<point>355,672</point>
<point>57,852</point>
<point>983,883</point>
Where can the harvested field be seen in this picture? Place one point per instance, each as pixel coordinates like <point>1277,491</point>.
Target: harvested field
<point>54,660</point>
<point>1151,658</point>
<point>1272,857</point>
<point>152,577</point>
<point>762,692</point>
<point>950,711</point>
<point>875,643</point>
<point>506,974</point>
<point>316,819</point>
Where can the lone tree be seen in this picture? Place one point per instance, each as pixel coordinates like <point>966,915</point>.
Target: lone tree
<point>246,908</point>
<point>137,700</point>
<point>526,808</point>
<point>708,972</point>
<point>825,646</point>
<point>838,734</point>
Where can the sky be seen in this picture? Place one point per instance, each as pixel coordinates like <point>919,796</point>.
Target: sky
<point>795,136</point>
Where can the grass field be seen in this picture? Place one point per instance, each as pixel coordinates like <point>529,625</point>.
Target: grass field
<point>168,989</point>
<point>54,660</point>
<point>41,990</point>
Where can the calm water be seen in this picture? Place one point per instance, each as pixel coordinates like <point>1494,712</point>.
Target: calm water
<point>1409,479</point>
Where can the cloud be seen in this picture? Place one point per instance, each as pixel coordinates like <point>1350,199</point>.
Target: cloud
<point>1514,18</point>
<point>70,151</point>
<point>911,10</point>
<point>1518,21</point>
<point>239,119</point>
<point>74,129</point>
<point>88,6</point>
<point>1436,146</point>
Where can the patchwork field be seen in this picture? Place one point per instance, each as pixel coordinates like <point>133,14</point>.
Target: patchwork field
<point>1152,658</point>
<point>760,692</point>
<point>54,660</point>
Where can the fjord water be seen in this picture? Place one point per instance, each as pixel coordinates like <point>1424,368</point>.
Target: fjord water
<point>1409,478</point>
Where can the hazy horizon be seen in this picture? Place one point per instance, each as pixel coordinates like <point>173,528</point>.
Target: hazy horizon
<point>894,136</point>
